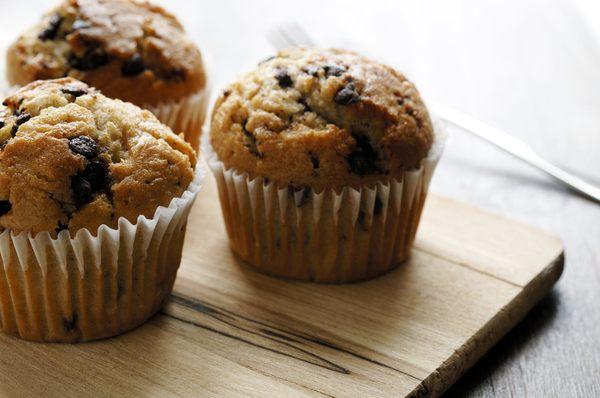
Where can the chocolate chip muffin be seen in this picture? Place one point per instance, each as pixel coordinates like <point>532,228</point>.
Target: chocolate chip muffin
<point>333,118</point>
<point>84,185</point>
<point>347,140</point>
<point>130,50</point>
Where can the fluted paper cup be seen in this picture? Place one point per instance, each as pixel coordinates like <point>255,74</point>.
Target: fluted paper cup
<point>185,116</point>
<point>86,287</point>
<point>330,236</point>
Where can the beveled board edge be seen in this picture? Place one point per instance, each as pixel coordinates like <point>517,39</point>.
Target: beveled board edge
<point>491,333</point>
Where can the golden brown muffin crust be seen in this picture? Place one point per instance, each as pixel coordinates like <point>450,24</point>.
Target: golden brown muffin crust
<point>128,49</point>
<point>321,118</point>
<point>70,158</point>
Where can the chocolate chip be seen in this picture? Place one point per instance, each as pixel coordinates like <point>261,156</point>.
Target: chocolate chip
<point>177,74</point>
<point>226,93</point>
<point>82,191</point>
<point>333,70</point>
<point>96,173</point>
<point>133,66</point>
<point>2,124</point>
<point>363,160</point>
<point>84,146</point>
<point>283,78</point>
<point>52,30</point>
<point>80,24</point>
<point>74,91</point>
<point>312,70</point>
<point>93,58</point>
<point>23,118</point>
<point>5,207</point>
<point>347,95</point>
<point>303,102</point>
<point>88,182</point>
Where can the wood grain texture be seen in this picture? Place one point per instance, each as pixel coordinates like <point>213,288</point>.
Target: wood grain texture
<point>528,67</point>
<point>230,331</point>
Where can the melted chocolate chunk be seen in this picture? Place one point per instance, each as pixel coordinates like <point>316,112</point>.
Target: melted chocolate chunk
<point>133,66</point>
<point>2,124</point>
<point>334,70</point>
<point>88,182</point>
<point>363,161</point>
<point>22,118</point>
<point>347,95</point>
<point>312,70</point>
<point>84,146</point>
<point>92,59</point>
<point>52,30</point>
<point>303,102</point>
<point>5,207</point>
<point>283,78</point>
<point>177,74</point>
<point>82,191</point>
<point>74,91</point>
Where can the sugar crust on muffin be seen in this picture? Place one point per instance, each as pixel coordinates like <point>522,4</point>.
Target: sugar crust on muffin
<point>128,49</point>
<point>71,158</point>
<point>322,119</point>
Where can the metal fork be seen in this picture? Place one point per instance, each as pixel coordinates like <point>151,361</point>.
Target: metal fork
<point>292,34</point>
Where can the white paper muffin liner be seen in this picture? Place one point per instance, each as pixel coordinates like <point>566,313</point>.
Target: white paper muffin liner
<point>90,287</point>
<point>328,237</point>
<point>185,116</point>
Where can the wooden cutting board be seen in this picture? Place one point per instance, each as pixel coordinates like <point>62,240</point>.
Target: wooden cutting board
<point>229,331</point>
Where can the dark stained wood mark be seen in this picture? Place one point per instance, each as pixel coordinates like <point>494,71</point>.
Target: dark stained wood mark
<point>290,339</point>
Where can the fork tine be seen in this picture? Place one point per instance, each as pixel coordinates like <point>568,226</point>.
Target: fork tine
<point>290,34</point>
<point>277,40</point>
<point>300,35</point>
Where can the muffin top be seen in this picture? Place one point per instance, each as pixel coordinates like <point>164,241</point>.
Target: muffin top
<point>70,158</point>
<point>130,50</point>
<point>323,119</point>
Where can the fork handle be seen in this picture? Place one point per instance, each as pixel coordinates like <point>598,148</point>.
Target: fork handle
<point>514,147</point>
